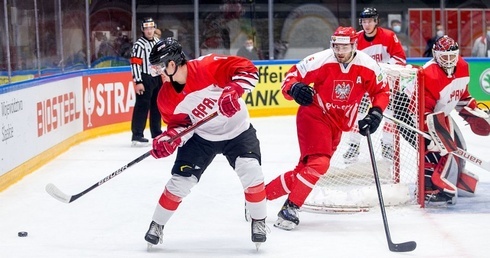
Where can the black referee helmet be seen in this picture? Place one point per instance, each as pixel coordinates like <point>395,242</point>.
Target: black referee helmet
<point>148,22</point>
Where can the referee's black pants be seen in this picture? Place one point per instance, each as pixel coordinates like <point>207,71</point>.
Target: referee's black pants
<point>144,103</point>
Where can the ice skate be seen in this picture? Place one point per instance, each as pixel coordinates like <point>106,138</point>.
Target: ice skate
<point>154,235</point>
<point>439,198</point>
<point>259,232</point>
<point>352,154</point>
<point>288,217</point>
<point>387,151</point>
<point>139,142</point>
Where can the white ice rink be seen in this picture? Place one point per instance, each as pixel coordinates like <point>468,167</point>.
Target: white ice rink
<point>111,220</point>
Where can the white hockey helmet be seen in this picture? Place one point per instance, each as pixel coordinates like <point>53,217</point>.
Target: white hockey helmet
<point>446,53</point>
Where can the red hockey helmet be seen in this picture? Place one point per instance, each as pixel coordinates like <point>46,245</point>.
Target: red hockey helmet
<point>343,42</point>
<point>446,53</point>
<point>344,35</point>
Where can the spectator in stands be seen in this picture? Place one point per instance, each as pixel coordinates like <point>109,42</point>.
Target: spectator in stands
<point>167,34</point>
<point>439,33</point>
<point>158,33</point>
<point>481,48</point>
<point>248,50</point>
<point>105,47</point>
<point>397,27</point>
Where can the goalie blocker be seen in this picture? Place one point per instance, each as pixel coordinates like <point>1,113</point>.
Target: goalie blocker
<point>447,178</point>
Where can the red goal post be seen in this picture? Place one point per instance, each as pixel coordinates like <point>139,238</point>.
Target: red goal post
<point>351,187</point>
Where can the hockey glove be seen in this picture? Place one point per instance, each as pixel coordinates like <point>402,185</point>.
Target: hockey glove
<point>228,101</point>
<point>302,93</point>
<point>478,120</point>
<point>162,147</point>
<point>433,147</point>
<point>371,121</point>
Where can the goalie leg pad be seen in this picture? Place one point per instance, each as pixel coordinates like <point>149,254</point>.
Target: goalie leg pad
<point>466,184</point>
<point>440,132</point>
<point>445,175</point>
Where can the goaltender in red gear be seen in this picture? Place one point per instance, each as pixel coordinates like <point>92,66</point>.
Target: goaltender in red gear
<point>339,78</point>
<point>446,79</point>
<point>193,90</point>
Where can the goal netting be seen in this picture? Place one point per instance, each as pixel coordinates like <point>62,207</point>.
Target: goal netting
<point>350,187</point>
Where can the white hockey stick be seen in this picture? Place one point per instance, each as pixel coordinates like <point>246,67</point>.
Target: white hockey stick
<point>459,152</point>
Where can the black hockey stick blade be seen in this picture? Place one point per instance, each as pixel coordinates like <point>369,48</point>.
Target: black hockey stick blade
<point>402,247</point>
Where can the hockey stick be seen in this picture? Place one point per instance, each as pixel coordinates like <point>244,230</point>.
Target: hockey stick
<point>62,197</point>
<point>401,247</point>
<point>459,152</point>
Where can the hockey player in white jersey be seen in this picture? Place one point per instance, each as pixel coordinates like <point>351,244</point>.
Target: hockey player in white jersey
<point>193,90</point>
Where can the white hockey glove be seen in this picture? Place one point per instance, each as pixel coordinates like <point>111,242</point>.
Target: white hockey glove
<point>433,147</point>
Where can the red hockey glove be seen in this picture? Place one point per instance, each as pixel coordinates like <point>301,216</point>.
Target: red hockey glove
<point>371,121</point>
<point>162,147</point>
<point>478,120</point>
<point>228,101</point>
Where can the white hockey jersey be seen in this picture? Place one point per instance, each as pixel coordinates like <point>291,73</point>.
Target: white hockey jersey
<point>206,78</point>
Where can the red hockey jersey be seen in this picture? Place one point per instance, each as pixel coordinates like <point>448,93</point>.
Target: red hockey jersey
<point>206,78</point>
<point>384,48</point>
<point>339,89</point>
<point>443,93</point>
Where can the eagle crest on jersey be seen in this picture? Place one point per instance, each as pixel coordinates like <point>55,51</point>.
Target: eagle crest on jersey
<point>342,90</point>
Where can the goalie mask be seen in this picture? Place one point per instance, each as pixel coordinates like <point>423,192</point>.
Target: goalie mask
<point>446,54</point>
<point>344,44</point>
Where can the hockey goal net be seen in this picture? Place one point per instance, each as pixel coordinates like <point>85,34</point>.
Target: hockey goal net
<point>349,186</point>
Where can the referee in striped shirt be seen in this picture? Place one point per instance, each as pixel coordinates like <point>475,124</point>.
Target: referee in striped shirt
<point>146,88</point>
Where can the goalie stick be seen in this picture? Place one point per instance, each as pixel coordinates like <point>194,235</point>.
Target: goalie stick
<point>459,152</point>
<point>63,197</point>
<point>401,247</point>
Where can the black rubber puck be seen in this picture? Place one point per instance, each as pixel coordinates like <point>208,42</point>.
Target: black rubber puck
<point>22,234</point>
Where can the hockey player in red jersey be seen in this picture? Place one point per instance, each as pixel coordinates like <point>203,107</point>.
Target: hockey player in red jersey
<point>383,46</point>
<point>446,78</point>
<point>379,43</point>
<point>193,90</point>
<point>340,76</point>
